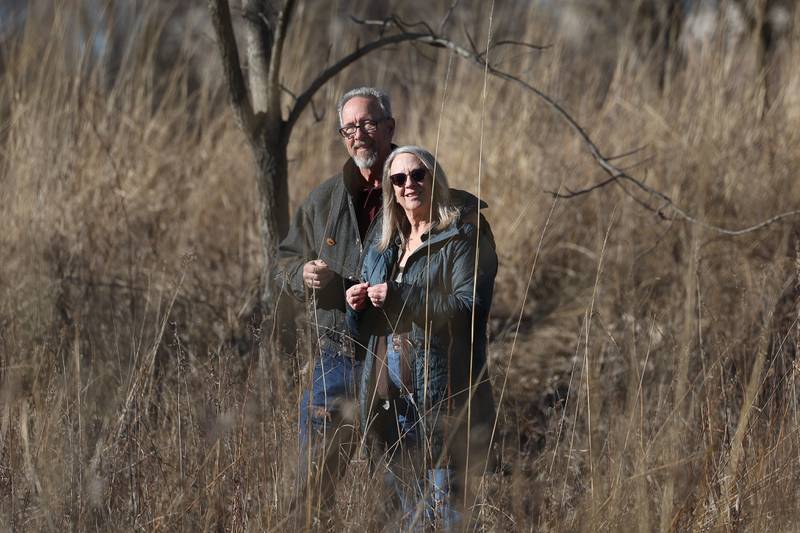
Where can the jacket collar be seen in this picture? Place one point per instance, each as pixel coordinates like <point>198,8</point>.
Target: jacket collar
<point>428,238</point>
<point>465,201</point>
<point>442,235</point>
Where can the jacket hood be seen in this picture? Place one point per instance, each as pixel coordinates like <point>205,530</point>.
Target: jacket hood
<point>466,201</point>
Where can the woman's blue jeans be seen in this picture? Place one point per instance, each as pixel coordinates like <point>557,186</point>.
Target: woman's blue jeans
<point>422,505</point>
<point>424,500</point>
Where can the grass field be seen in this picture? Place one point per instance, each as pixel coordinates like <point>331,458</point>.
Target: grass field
<point>647,365</point>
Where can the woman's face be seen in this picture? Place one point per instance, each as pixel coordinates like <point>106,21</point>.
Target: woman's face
<point>412,184</point>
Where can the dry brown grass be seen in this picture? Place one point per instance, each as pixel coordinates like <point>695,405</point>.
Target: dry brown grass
<point>652,380</point>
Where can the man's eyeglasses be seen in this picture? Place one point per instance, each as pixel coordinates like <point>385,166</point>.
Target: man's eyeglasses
<point>367,126</point>
<point>399,179</point>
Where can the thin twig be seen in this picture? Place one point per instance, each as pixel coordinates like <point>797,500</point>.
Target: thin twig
<point>447,15</point>
<point>626,154</point>
<point>396,21</point>
<point>305,98</point>
<point>276,57</point>
<point>318,115</point>
<point>523,44</point>
<point>471,42</point>
<point>572,194</point>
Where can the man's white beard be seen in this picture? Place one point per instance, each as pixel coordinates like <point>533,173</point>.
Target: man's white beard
<point>366,161</point>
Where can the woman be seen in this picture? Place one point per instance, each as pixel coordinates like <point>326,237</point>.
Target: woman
<point>421,311</point>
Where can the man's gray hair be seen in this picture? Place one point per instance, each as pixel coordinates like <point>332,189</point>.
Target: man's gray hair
<point>367,92</point>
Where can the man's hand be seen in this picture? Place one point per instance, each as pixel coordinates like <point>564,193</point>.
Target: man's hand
<point>356,296</point>
<point>377,294</point>
<point>316,274</point>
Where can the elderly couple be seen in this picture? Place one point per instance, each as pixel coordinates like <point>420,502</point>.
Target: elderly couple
<point>399,270</point>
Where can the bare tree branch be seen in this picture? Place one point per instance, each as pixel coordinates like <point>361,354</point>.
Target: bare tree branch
<point>258,41</point>
<point>472,45</point>
<point>404,35</point>
<point>281,29</point>
<point>447,15</point>
<point>618,174</point>
<point>284,17</point>
<point>240,101</point>
<point>572,194</point>
<point>670,204</point>
<point>318,115</point>
<point>626,154</point>
<point>523,44</point>
<point>305,97</point>
<point>221,18</point>
<point>634,165</point>
<point>395,21</point>
<point>615,173</point>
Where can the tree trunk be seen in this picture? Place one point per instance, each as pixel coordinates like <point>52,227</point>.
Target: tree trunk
<point>271,169</point>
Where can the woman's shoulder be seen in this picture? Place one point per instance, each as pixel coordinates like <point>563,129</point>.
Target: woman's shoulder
<point>376,261</point>
<point>475,228</point>
<point>467,229</point>
<point>373,254</point>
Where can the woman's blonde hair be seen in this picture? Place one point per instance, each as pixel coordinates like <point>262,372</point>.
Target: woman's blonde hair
<point>395,223</point>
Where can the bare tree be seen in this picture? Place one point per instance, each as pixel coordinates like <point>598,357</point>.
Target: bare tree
<point>256,106</point>
<point>256,102</point>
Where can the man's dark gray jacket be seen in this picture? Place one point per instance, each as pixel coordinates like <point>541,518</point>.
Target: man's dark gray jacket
<point>325,227</point>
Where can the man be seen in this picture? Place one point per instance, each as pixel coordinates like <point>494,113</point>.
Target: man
<point>319,259</point>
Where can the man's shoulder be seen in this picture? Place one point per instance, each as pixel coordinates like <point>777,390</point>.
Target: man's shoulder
<point>328,186</point>
<point>323,193</point>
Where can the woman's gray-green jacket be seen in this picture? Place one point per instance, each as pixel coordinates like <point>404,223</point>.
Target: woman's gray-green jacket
<point>440,288</point>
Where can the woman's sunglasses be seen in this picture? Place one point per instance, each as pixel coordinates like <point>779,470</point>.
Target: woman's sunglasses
<point>399,179</point>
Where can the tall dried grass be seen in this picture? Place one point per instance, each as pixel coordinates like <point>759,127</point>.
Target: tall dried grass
<point>652,384</point>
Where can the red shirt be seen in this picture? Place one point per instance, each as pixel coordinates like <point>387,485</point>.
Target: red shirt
<point>367,199</point>
<point>367,207</point>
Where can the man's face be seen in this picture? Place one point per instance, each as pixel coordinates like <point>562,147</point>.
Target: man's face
<point>367,149</point>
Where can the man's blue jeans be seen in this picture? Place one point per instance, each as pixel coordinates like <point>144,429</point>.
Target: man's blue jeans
<point>334,388</point>
<point>328,435</point>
